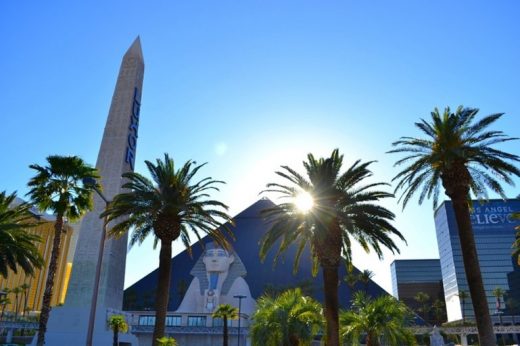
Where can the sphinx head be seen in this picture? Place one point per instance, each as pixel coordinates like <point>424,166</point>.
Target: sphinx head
<point>217,259</point>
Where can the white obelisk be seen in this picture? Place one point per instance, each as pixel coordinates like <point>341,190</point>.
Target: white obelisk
<point>68,324</point>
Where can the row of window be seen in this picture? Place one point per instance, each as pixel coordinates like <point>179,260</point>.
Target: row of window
<point>172,321</point>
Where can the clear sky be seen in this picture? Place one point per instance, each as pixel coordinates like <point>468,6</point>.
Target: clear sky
<point>250,85</point>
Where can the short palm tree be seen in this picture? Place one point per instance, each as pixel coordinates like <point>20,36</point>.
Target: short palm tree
<point>4,301</point>
<point>498,293</point>
<point>166,341</point>
<point>58,188</point>
<point>457,153</point>
<point>169,207</point>
<point>117,323</point>
<point>344,208</point>
<point>16,291</point>
<point>25,291</point>
<point>226,312</point>
<point>424,302</point>
<point>463,295</point>
<point>17,246</point>
<point>516,244</point>
<point>439,310</point>
<point>290,319</point>
<point>384,320</point>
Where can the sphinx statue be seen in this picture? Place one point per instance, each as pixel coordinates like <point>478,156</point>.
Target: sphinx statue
<point>218,276</point>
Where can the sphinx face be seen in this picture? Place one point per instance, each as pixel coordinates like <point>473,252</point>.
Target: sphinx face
<point>217,260</point>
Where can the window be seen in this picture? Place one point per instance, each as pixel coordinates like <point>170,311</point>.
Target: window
<point>172,321</point>
<point>146,320</point>
<point>197,321</point>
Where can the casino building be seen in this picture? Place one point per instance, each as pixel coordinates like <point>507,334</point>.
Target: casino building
<point>494,233</point>
<point>31,298</point>
<point>200,282</point>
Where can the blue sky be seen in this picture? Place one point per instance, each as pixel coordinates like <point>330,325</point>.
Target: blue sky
<point>250,85</point>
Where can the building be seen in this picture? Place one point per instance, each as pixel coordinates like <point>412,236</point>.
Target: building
<point>410,277</point>
<point>494,233</point>
<point>36,282</point>
<point>196,288</point>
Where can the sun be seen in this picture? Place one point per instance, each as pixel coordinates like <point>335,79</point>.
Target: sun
<point>304,202</point>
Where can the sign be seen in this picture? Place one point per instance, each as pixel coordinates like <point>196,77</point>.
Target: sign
<point>132,134</point>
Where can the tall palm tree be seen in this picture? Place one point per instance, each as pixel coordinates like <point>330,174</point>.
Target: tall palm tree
<point>463,295</point>
<point>58,188</point>
<point>17,246</point>
<point>344,208</point>
<point>365,276</point>
<point>457,153</point>
<point>290,319</point>
<point>169,207</point>
<point>117,323</point>
<point>384,320</point>
<point>226,312</point>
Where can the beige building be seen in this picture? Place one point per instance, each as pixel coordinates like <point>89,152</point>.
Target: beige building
<point>36,283</point>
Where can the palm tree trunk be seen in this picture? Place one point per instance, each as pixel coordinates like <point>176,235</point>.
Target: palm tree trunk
<point>458,191</point>
<point>163,290</point>
<point>115,340</point>
<point>17,305</point>
<point>372,339</point>
<point>294,341</point>
<point>47,295</point>
<point>330,284</point>
<point>225,341</point>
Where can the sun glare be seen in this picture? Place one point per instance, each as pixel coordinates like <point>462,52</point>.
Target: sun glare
<point>304,202</point>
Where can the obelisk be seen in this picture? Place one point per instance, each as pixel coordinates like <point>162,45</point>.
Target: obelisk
<point>68,324</point>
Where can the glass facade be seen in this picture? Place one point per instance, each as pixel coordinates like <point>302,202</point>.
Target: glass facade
<point>197,321</point>
<point>149,320</point>
<point>494,234</point>
<point>414,272</point>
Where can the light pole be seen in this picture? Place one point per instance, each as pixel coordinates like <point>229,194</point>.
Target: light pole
<point>93,305</point>
<point>239,297</point>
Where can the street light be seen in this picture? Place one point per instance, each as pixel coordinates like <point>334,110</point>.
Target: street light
<point>239,297</point>
<point>91,182</point>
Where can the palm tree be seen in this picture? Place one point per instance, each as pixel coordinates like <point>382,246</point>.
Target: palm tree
<point>25,291</point>
<point>423,300</point>
<point>17,246</point>
<point>365,276</point>
<point>169,208</point>
<point>384,320</point>
<point>498,293</point>
<point>16,291</point>
<point>166,341</point>
<point>343,209</point>
<point>58,188</point>
<point>4,301</point>
<point>463,295</point>
<point>117,324</point>
<point>439,309</point>
<point>225,312</point>
<point>290,319</point>
<point>516,244</point>
<point>458,154</point>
